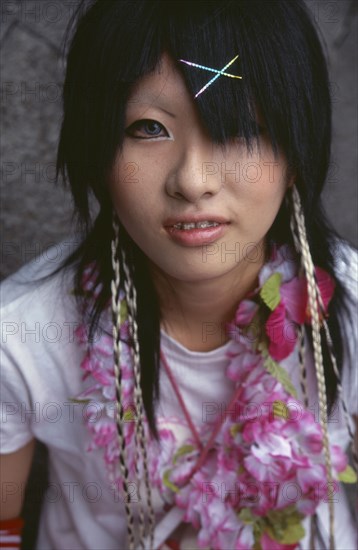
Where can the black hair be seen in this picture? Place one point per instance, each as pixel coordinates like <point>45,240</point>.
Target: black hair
<point>284,78</point>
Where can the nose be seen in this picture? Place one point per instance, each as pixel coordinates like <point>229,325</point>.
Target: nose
<point>196,175</point>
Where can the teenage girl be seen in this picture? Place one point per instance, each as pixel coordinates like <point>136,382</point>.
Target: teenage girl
<point>182,362</point>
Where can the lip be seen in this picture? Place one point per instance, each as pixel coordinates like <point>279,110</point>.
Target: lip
<point>197,236</point>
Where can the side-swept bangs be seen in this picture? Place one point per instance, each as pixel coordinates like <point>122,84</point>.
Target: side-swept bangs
<point>280,60</point>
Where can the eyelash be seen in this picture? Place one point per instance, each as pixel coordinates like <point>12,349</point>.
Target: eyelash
<point>145,121</point>
<point>141,123</point>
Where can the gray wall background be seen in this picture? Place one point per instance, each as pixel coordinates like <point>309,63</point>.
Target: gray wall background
<point>35,212</point>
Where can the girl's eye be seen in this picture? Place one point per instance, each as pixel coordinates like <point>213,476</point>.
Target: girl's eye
<point>146,129</point>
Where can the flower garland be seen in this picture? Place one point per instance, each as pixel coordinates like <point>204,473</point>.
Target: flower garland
<point>264,473</point>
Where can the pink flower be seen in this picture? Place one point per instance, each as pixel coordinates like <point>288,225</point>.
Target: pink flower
<point>243,358</point>
<point>281,333</point>
<point>283,261</point>
<point>294,296</point>
<point>219,524</point>
<point>311,477</point>
<point>243,363</point>
<point>89,280</point>
<point>264,466</point>
<point>245,538</point>
<point>160,454</point>
<point>259,391</point>
<point>281,326</point>
<point>103,432</point>
<point>326,287</point>
<point>194,496</point>
<point>181,473</point>
<point>245,312</point>
<point>270,456</point>
<point>261,460</point>
<point>305,432</point>
<point>81,334</point>
<point>339,459</point>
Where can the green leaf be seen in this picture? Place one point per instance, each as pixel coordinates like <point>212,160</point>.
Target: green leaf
<point>263,349</point>
<point>280,410</point>
<point>168,483</point>
<point>235,429</point>
<point>270,292</point>
<point>258,529</point>
<point>73,400</point>
<point>246,516</point>
<point>129,415</point>
<point>123,310</point>
<point>291,535</point>
<point>280,374</point>
<point>185,449</point>
<point>285,525</point>
<point>348,475</point>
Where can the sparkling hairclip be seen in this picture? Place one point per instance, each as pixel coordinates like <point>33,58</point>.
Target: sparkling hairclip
<point>219,72</point>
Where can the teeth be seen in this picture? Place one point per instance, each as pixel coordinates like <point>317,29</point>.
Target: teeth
<point>206,224</point>
<point>193,225</point>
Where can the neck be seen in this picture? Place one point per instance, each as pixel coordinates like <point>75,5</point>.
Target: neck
<point>196,313</point>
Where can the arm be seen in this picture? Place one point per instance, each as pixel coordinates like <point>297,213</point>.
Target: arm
<point>14,473</point>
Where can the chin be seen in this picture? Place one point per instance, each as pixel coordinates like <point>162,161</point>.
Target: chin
<point>196,273</point>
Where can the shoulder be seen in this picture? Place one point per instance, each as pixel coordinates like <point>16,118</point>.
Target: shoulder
<point>39,317</point>
<point>38,278</point>
<point>346,266</point>
<point>38,303</point>
<point>346,269</point>
<point>40,355</point>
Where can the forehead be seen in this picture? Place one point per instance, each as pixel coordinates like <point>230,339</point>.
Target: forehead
<point>164,87</point>
<point>221,113</point>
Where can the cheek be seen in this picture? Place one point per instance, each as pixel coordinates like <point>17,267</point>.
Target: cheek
<point>135,201</point>
<point>260,199</point>
<point>127,191</point>
<point>261,176</point>
<point>264,187</point>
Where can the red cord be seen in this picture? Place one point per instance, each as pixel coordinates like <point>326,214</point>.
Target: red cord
<point>181,401</point>
<point>196,436</point>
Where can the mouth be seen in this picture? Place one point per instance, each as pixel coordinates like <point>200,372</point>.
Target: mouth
<point>196,231</point>
<point>195,221</point>
<point>187,226</point>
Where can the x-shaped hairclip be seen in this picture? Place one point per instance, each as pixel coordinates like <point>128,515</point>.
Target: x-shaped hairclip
<point>219,72</point>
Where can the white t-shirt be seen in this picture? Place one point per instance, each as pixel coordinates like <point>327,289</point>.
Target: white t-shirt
<point>40,371</point>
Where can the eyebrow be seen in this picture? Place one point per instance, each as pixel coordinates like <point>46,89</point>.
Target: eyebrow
<point>168,112</point>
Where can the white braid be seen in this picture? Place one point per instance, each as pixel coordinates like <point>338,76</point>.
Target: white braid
<point>131,296</point>
<point>339,382</point>
<point>317,344</point>
<point>332,358</point>
<point>301,336</point>
<point>303,371</point>
<point>116,311</point>
<point>340,389</point>
<point>137,420</point>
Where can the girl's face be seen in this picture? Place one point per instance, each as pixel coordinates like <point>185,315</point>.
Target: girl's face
<point>169,179</point>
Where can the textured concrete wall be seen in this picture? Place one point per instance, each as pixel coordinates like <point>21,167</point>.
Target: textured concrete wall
<point>35,212</point>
